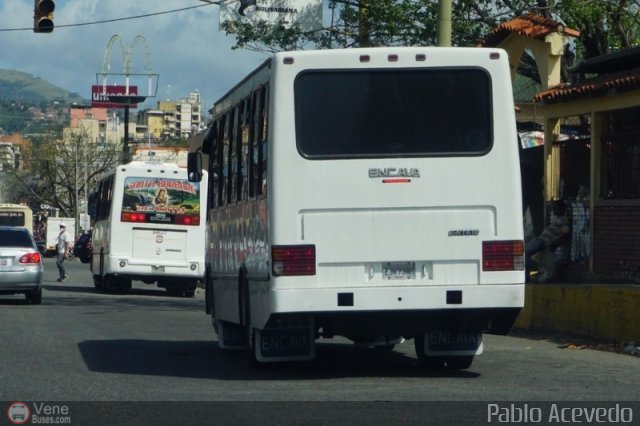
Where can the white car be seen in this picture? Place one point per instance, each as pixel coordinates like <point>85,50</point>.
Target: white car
<point>21,268</point>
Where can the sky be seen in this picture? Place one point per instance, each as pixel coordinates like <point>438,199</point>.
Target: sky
<point>186,48</point>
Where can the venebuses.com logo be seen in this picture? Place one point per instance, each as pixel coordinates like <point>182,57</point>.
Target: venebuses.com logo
<point>20,413</point>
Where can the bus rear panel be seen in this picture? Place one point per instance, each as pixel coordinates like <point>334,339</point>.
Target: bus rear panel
<point>154,231</point>
<point>393,207</point>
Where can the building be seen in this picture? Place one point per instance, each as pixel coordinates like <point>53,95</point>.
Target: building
<point>608,94</point>
<point>597,171</point>
<point>100,126</point>
<point>173,119</point>
<point>12,152</point>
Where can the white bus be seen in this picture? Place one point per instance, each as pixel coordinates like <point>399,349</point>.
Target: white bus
<point>16,215</point>
<point>367,193</point>
<point>149,226</point>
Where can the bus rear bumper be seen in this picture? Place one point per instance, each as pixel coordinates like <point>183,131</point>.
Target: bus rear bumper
<point>137,267</point>
<point>404,311</point>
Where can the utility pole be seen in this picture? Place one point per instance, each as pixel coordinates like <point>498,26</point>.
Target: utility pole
<point>364,25</point>
<point>444,23</point>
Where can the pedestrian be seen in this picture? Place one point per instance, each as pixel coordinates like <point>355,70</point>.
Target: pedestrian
<point>62,247</point>
<point>553,236</point>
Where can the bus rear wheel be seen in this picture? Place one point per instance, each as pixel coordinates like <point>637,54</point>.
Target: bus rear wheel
<point>97,282</point>
<point>430,362</point>
<point>459,362</point>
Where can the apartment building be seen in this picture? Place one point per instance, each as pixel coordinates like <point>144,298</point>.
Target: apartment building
<point>173,119</point>
<point>12,151</point>
<point>101,125</point>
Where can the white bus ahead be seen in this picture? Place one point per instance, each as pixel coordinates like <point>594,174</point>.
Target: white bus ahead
<point>16,215</point>
<point>149,226</point>
<point>367,193</point>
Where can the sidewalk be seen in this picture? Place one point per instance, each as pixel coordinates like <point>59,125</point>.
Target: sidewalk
<point>610,312</point>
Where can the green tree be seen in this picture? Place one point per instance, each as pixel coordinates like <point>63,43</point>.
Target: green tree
<point>57,173</point>
<point>604,25</point>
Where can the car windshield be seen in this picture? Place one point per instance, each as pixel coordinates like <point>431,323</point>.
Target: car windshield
<point>14,238</point>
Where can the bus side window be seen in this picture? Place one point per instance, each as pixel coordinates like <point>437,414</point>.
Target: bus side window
<point>232,185</point>
<point>213,167</point>
<point>219,166</point>
<point>263,136</point>
<point>254,135</point>
<point>224,155</point>
<point>109,189</point>
<point>243,151</point>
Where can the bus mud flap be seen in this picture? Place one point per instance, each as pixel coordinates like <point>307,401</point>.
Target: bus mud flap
<point>286,340</point>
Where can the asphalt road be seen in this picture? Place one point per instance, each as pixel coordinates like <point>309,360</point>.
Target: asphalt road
<point>146,346</point>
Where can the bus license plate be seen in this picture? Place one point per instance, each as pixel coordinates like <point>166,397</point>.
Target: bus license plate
<point>157,269</point>
<point>398,271</point>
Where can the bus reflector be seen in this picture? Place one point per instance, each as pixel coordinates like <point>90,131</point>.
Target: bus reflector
<point>396,180</point>
<point>293,260</point>
<point>503,255</point>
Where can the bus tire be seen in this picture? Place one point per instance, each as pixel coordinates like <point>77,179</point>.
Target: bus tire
<point>459,362</point>
<point>34,297</point>
<point>109,283</point>
<point>124,283</point>
<point>385,348</point>
<point>252,347</point>
<point>429,362</point>
<point>97,282</point>
<point>244,305</point>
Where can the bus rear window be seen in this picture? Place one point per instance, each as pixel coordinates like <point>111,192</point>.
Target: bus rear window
<point>393,113</point>
<point>160,200</point>
<point>12,219</point>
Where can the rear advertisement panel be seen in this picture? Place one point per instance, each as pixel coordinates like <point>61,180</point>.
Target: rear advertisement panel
<point>161,200</point>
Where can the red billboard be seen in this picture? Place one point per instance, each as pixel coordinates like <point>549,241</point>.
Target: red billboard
<point>100,96</point>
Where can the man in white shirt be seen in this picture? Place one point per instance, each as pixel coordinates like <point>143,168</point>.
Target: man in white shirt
<point>62,247</point>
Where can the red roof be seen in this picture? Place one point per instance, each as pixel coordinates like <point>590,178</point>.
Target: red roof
<point>528,25</point>
<point>593,87</point>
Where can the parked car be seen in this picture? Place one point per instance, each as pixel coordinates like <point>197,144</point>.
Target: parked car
<point>21,268</point>
<point>82,248</point>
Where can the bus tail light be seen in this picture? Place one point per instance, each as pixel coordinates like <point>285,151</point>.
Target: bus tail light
<point>503,255</point>
<point>133,217</point>
<point>187,220</point>
<point>293,260</point>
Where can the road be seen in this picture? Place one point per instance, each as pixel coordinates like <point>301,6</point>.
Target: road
<point>144,345</point>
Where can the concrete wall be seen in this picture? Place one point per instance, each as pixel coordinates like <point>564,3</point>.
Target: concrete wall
<point>609,312</point>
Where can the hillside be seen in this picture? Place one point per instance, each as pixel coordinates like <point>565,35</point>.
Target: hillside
<point>17,85</point>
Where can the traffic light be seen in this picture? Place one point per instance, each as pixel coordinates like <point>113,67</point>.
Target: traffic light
<point>43,16</point>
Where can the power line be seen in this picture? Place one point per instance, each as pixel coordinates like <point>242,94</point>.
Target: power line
<point>105,21</point>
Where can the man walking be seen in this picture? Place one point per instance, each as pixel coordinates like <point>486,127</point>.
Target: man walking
<point>62,247</point>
